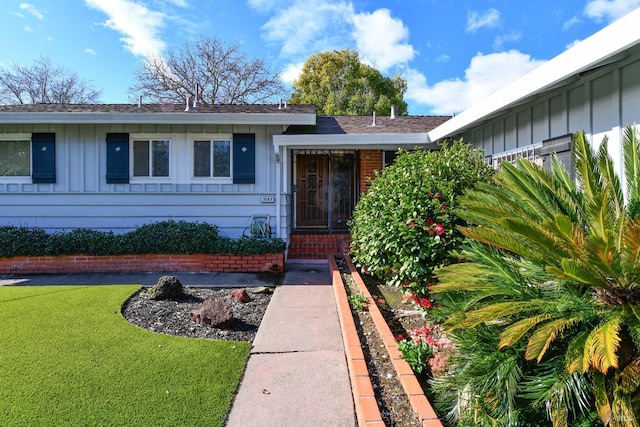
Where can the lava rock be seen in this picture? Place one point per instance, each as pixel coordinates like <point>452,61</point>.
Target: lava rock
<point>214,313</point>
<point>240,295</point>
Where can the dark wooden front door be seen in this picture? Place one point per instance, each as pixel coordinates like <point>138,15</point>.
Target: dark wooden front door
<point>325,190</point>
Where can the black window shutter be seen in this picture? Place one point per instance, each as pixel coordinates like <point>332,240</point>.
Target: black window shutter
<point>43,157</point>
<point>117,158</point>
<point>244,158</point>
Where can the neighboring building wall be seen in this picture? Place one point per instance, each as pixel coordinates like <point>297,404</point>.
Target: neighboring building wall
<point>601,103</point>
<point>370,161</point>
<point>81,197</point>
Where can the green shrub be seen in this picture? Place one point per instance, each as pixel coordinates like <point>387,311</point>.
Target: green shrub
<point>165,237</point>
<point>403,227</point>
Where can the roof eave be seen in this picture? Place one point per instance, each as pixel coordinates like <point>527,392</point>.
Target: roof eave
<point>161,118</point>
<point>353,141</point>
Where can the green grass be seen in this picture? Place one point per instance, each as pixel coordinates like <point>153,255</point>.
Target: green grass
<point>69,358</point>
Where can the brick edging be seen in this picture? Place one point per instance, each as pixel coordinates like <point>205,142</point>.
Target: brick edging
<point>156,263</point>
<point>419,402</point>
<point>367,411</point>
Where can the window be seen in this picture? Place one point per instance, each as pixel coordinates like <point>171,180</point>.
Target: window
<point>151,158</point>
<point>212,158</point>
<point>15,157</point>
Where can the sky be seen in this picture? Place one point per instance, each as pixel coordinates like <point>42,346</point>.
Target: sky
<point>453,53</point>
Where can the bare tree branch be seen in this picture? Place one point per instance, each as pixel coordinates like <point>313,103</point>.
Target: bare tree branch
<point>224,74</point>
<point>44,82</point>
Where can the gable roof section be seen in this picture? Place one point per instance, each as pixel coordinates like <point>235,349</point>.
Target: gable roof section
<point>256,114</point>
<point>351,132</point>
<point>604,47</point>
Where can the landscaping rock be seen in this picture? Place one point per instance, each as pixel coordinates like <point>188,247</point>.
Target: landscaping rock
<point>240,295</point>
<point>168,287</point>
<point>214,313</point>
<point>260,290</point>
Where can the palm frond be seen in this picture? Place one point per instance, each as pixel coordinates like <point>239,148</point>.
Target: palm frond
<point>630,247</point>
<point>631,150</point>
<point>497,311</point>
<point>575,355</point>
<point>546,334</point>
<point>603,405</point>
<point>629,378</point>
<point>587,171</point>
<point>610,180</point>
<point>514,332</point>
<point>601,346</point>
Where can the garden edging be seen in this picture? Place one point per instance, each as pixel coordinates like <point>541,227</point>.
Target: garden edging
<point>161,263</point>
<point>363,394</point>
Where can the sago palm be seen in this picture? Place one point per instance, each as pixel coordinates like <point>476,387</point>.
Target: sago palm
<point>554,269</point>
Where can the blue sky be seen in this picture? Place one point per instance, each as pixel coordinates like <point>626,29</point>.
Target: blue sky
<point>453,53</point>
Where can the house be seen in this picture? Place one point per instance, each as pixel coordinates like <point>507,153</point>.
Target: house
<point>116,167</point>
<point>592,87</point>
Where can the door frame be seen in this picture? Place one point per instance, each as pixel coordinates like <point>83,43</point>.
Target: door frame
<point>329,226</point>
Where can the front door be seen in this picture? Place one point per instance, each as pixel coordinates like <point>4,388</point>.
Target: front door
<point>324,189</point>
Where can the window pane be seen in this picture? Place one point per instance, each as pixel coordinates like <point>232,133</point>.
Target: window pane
<point>221,158</point>
<point>202,158</point>
<point>161,158</point>
<point>15,158</point>
<point>141,158</point>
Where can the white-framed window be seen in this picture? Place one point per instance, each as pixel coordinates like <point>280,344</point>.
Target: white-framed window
<point>212,158</point>
<point>151,157</point>
<point>530,152</point>
<point>15,157</point>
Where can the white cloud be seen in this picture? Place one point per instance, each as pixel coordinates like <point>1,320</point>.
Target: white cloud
<point>443,58</point>
<point>307,26</point>
<point>572,44</point>
<point>140,27</point>
<point>18,14</point>
<point>28,29</point>
<point>90,51</point>
<point>609,10</point>
<point>485,75</point>
<point>499,42</point>
<point>32,10</point>
<point>382,39</point>
<point>570,23</point>
<point>489,19</point>
<point>291,72</point>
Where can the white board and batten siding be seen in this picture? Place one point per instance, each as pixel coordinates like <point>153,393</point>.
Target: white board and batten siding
<point>601,103</point>
<point>82,198</point>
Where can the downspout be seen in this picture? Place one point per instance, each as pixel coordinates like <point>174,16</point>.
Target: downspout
<point>276,150</point>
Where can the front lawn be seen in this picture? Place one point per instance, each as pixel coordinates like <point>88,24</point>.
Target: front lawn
<point>68,357</point>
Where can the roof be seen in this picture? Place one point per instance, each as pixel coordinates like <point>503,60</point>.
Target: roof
<point>336,125</point>
<point>608,45</point>
<point>302,114</point>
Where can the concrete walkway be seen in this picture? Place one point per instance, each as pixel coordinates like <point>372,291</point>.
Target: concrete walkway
<point>297,372</point>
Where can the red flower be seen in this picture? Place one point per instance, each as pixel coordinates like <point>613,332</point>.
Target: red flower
<point>422,302</point>
<point>411,224</point>
<point>381,301</point>
<point>430,222</point>
<point>398,337</point>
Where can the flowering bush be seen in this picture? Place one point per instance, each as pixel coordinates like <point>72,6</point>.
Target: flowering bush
<point>404,226</point>
<point>422,348</point>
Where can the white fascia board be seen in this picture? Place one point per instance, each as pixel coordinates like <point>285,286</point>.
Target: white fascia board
<point>608,42</point>
<point>377,140</point>
<point>161,118</point>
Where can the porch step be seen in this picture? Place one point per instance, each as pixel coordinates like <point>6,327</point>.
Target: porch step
<point>317,245</point>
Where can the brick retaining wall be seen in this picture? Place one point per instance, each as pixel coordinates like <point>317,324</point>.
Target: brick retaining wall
<point>199,263</point>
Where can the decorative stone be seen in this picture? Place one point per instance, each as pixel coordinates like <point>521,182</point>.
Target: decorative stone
<point>240,295</point>
<point>168,287</point>
<point>214,313</point>
<point>260,290</point>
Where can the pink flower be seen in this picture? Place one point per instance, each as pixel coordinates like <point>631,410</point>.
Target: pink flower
<point>398,337</point>
<point>381,301</point>
<point>437,196</point>
<point>443,206</point>
<point>439,229</point>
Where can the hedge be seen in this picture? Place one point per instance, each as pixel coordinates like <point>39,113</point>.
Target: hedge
<point>165,237</point>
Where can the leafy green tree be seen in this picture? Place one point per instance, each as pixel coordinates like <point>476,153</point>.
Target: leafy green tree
<point>403,227</point>
<point>552,280</point>
<point>337,83</point>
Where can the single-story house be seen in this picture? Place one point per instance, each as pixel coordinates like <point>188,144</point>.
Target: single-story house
<point>116,167</point>
<point>593,87</point>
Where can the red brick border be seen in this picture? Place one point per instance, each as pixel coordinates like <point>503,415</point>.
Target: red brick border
<point>419,402</point>
<point>198,263</point>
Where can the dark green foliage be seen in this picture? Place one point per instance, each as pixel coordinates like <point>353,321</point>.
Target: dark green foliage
<point>404,226</point>
<point>165,237</point>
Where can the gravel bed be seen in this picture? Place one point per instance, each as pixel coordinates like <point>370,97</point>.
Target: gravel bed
<point>172,316</point>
